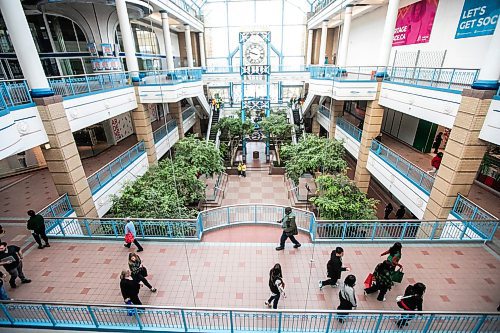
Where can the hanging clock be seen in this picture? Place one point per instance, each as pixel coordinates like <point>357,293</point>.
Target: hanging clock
<point>255,54</point>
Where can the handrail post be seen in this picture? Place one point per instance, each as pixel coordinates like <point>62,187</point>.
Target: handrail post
<point>479,324</point>
<point>231,320</point>
<point>139,322</point>
<point>279,322</point>
<point>115,230</point>
<point>93,317</point>
<point>344,230</point>
<point>49,315</point>
<point>228,215</point>
<point>328,323</point>
<point>374,230</point>
<point>87,226</point>
<point>141,226</point>
<point>184,320</point>
<point>434,228</point>
<point>403,232</point>
<point>255,213</point>
<point>379,321</point>
<point>451,79</point>
<point>466,226</point>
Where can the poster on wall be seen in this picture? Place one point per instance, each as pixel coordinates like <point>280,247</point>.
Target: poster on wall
<point>122,126</point>
<point>414,23</point>
<point>478,18</point>
<point>92,49</point>
<point>107,50</point>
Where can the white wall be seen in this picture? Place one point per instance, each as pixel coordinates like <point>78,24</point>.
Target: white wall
<point>491,128</point>
<point>366,33</point>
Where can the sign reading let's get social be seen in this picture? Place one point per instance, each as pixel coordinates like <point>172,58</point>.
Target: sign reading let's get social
<point>478,18</point>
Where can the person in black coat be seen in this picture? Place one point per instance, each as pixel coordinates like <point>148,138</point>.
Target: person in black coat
<point>129,288</point>
<point>412,300</point>
<point>388,210</point>
<point>334,268</point>
<point>437,142</point>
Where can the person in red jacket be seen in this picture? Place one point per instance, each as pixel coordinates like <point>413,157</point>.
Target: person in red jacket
<point>436,163</point>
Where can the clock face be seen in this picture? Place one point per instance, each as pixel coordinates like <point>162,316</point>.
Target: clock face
<point>255,54</point>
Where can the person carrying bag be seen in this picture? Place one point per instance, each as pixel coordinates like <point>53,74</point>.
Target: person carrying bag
<point>412,300</point>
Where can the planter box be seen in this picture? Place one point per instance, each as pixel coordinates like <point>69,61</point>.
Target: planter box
<point>232,171</point>
<point>277,170</point>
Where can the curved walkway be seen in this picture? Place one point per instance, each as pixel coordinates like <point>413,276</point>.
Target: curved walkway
<point>234,274</point>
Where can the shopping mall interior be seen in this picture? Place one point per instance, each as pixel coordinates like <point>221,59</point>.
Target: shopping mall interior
<point>205,133</point>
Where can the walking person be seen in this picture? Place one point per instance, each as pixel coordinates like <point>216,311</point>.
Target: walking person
<point>36,224</point>
<point>334,268</point>
<point>388,210</point>
<point>394,253</point>
<point>138,271</point>
<point>347,296</point>
<point>11,258</point>
<point>289,229</point>
<point>276,285</point>
<point>383,280</point>
<point>412,300</point>
<point>129,288</point>
<point>435,163</point>
<point>244,170</point>
<point>401,212</point>
<point>131,235</point>
<point>240,168</point>
<point>437,142</point>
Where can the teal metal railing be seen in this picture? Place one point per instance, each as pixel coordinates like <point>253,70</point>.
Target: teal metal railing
<point>165,129</point>
<point>75,85</point>
<point>14,94</point>
<point>188,113</point>
<point>349,73</point>
<point>324,111</point>
<point>319,230</point>
<point>176,76</point>
<point>452,79</point>
<point>61,207</point>
<point>464,209</point>
<point>350,129</point>
<point>410,171</point>
<point>113,168</point>
<point>107,317</point>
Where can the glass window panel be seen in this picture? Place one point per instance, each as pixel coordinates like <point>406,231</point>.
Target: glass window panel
<point>214,14</point>
<point>294,42</point>
<point>268,12</point>
<point>216,42</point>
<point>294,15</point>
<point>241,13</point>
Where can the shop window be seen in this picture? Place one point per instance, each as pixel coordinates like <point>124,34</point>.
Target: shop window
<point>489,171</point>
<point>145,40</point>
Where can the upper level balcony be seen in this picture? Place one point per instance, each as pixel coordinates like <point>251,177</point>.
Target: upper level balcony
<point>432,94</point>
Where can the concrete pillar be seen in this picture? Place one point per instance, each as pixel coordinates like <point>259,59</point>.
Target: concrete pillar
<point>387,36</point>
<point>371,128</point>
<point>63,160</point>
<point>167,40</point>
<point>309,47</point>
<point>490,70</point>
<point>37,152</point>
<point>346,29</point>
<point>322,45</point>
<point>197,127</point>
<point>26,52</point>
<point>175,111</point>
<point>189,49</point>
<point>143,129</point>
<point>462,156</point>
<point>128,40</point>
<point>336,110</point>
<point>203,59</point>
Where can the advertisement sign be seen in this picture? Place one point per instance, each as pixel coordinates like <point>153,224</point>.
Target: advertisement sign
<point>107,50</point>
<point>92,49</point>
<point>478,18</point>
<point>414,23</point>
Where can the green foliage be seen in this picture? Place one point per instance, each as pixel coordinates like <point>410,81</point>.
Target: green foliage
<point>313,154</point>
<point>277,126</point>
<point>234,127</point>
<point>340,199</point>
<point>202,155</point>
<point>158,194</point>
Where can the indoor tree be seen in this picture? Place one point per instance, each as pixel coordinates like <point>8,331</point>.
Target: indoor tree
<point>278,129</point>
<point>312,154</point>
<point>203,155</point>
<point>233,130</point>
<point>338,198</point>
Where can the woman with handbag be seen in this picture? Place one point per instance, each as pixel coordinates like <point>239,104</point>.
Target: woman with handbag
<point>129,288</point>
<point>394,257</point>
<point>412,300</point>
<point>276,285</point>
<point>138,271</point>
<point>383,280</point>
<point>131,235</point>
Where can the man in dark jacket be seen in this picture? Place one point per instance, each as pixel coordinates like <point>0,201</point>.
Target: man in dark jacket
<point>412,300</point>
<point>11,258</point>
<point>334,268</point>
<point>36,224</point>
<point>289,229</point>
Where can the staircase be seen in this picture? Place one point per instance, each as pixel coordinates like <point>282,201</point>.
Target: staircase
<point>296,121</point>
<point>213,131</point>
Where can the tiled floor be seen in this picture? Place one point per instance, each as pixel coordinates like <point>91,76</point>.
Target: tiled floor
<point>38,190</point>
<point>219,274</point>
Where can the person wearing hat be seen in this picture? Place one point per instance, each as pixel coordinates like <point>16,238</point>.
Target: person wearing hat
<point>289,229</point>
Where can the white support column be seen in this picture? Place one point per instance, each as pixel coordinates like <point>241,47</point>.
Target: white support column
<point>26,52</point>
<point>387,36</point>
<point>346,29</point>
<point>490,70</point>
<point>189,49</point>
<point>309,47</point>
<point>322,45</point>
<point>128,40</point>
<point>168,40</point>
<point>203,60</point>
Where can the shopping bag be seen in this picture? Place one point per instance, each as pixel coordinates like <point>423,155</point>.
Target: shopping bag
<point>397,276</point>
<point>129,238</point>
<point>369,280</point>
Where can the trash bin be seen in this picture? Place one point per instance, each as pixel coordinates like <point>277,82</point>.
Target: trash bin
<point>256,154</point>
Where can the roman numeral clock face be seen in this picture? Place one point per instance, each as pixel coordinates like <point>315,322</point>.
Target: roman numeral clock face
<point>255,54</point>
